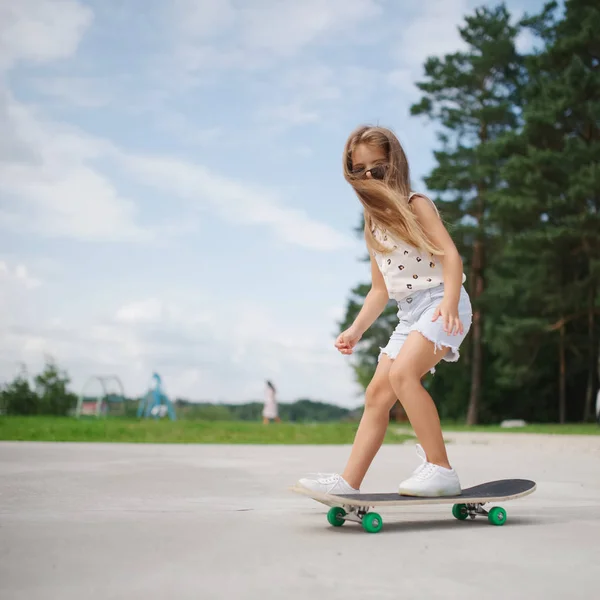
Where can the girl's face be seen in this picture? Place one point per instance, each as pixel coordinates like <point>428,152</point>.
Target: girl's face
<point>369,161</point>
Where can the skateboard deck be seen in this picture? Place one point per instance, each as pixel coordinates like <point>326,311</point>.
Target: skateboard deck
<point>355,507</point>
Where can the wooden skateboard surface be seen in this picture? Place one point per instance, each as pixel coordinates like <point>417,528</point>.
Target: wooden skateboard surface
<point>491,491</point>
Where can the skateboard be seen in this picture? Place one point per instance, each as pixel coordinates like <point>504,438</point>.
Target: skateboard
<point>470,503</point>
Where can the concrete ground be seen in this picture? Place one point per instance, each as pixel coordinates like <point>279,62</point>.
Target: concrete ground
<point>152,522</point>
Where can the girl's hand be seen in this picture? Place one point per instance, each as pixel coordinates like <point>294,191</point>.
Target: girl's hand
<point>346,341</point>
<point>449,313</point>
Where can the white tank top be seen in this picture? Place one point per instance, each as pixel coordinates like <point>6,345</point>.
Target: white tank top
<point>405,269</point>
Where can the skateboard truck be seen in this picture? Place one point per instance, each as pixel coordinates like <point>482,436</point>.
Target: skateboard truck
<point>476,509</point>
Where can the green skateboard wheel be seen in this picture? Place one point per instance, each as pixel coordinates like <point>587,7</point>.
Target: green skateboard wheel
<point>497,516</point>
<point>372,523</point>
<point>336,515</point>
<point>460,512</point>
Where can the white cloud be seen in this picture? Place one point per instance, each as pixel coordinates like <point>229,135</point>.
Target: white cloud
<point>51,189</point>
<point>150,310</point>
<point>216,34</point>
<point>285,27</point>
<point>300,95</point>
<point>186,130</point>
<point>77,203</point>
<point>47,185</point>
<point>41,30</point>
<point>432,31</point>
<point>289,114</point>
<point>215,355</point>
<point>59,180</point>
<point>233,201</point>
<point>18,294</point>
<point>54,191</point>
<point>85,92</point>
<point>202,20</point>
<point>402,78</point>
<point>53,186</point>
<point>18,275</point>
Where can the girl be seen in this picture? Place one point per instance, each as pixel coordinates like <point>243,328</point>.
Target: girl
<point>414,262</point>
<point>270,406</point>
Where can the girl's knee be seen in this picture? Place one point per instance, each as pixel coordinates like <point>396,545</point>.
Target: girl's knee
<point>401,375</point>
<point>377,397</point>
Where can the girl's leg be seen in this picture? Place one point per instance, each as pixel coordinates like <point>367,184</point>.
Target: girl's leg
<point>415,359</point>
<point>379,399</point>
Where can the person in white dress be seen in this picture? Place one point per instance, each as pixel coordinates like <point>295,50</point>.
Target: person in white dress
<point>270,411</point>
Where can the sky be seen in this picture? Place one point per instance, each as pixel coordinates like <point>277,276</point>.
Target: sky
<point>171,192</point>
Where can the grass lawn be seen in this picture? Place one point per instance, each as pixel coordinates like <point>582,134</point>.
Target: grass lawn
<point>57,429</point>
<point>553,428</point>
<point>64,429</point>
<point>549,428</point>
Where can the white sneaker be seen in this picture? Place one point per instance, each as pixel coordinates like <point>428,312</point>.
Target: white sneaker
<point>328,483</point>
<point>430,480</point>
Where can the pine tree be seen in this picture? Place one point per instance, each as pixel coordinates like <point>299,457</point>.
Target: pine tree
<point>474,95</point>
<point>549,212</point>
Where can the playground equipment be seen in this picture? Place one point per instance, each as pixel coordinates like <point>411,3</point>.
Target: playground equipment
<point>156,403</point>
<point>112,395</point>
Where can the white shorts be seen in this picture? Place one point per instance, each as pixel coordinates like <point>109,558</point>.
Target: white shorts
<point>415,313</point>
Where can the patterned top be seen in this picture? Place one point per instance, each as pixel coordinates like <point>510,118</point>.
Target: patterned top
<point>405,269</point>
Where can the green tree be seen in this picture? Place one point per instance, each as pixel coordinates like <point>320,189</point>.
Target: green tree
<point>474,95</point>
<point>49,395</point>
<point>18,397</point>
<point>549,211</point>
<point>305,410</point>
<point>51,387</point>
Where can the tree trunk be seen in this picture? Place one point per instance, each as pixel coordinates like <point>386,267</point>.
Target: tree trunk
<point>562,399</point>
<point>477,267</point>
<point>477,345</point>
<point>591,380</point>
<point>597,407</point>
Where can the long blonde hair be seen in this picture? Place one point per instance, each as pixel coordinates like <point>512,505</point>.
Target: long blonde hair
<point>385,201</point>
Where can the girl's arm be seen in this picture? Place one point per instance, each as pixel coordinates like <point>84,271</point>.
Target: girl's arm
<point>375,301</point>
<point>451,261</point>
